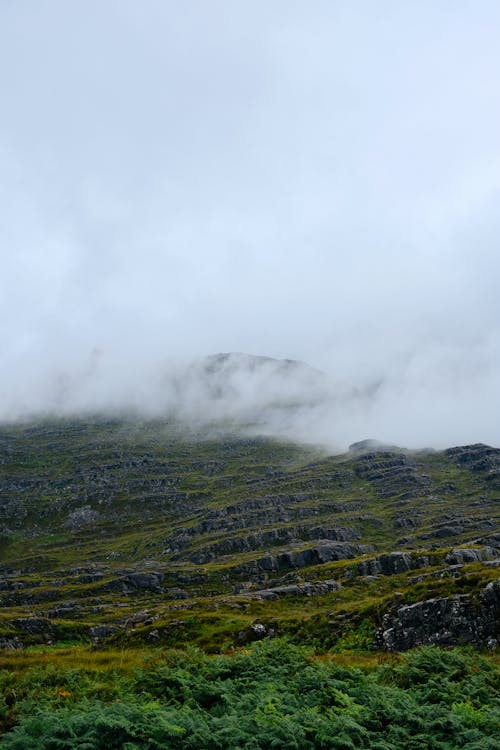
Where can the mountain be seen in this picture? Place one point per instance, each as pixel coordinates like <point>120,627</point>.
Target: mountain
<point>128,531</point>
<point>251,390</point>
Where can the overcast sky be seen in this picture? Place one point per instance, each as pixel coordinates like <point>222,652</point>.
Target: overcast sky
<point>315,180</point>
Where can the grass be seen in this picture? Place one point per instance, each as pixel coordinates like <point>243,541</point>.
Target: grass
<point>165,495</point>
<point>187,670</point>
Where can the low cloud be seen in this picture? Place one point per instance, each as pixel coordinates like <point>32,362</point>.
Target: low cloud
<point>315,185</point>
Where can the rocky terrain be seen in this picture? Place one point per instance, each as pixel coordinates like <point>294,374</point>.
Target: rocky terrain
<point>123,531</point>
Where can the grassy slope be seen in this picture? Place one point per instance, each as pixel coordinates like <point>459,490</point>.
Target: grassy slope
<point>86,503</point>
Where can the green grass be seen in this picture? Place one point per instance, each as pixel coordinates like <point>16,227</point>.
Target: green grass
<point>165,494</point>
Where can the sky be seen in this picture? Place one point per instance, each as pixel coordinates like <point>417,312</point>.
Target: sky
<point>311,180</point>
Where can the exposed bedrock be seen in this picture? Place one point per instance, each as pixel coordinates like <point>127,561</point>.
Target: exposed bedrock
<point>318,588</point>
<point>457,620</point>
<point>322,552</point>
<point>392,474</point>
<point>458,556</point>
<point>135,581</point>
<point>271,537</point>
<point>478,458</point>
<point>392,563</point>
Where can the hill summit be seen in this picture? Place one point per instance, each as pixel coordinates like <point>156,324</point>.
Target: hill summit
<point>246,386</point>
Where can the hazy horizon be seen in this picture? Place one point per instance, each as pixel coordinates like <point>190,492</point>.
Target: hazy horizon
<point>316,182</point>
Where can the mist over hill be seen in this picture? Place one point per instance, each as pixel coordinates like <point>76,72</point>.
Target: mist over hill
<point>249,374</point>
<point>254,394</point>
<point>104,519</point>
<point>257,395</point>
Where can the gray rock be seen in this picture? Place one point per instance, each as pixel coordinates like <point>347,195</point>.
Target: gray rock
<point>33,625</point>
<point>490,595</point>
<point>153,636</point>
<point>319,588</point>
<point>137,581</point>
<point>391,564</point>
<point>146,581</point>
<point>100,632</point>
<point>10,644</point>
<point>479,458</point>
<point>82,517</point>
<point>256,632</point>
<point>65,609</point>
<point>392,474</point>
<point>459,556</point>
<point>405,523</point>
<point>269,537</point>
<point>452,621</point>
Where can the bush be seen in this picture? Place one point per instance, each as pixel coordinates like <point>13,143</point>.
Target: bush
<point>272,696</point>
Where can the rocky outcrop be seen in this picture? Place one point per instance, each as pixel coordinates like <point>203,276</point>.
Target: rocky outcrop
<point>256,632</point>
<point>454,525</point>
<point>257,513</point>
<point>460,619</point>
<point>65,609</point>
<point>478,458</point>
<point>391,564</point>
<point>406,522</point>
<point>272,537</point>
<point>392,474</point>
<point>10,644</point>
<point>33,630</point>
<point>82,517</point>
<point>458,556</point>
<point>319,588</point>
<point>134,582</point>
<point>33,625</point>
<point>322,552</point>
<point>99,632</point>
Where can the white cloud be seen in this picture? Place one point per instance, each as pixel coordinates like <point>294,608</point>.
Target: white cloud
<point>313,182</point>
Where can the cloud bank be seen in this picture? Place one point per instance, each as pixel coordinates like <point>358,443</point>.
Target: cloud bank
<point>316,183</point>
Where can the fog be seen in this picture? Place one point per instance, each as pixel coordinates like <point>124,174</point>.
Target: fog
<point>311,181</point>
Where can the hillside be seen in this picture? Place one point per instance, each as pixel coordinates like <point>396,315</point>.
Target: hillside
<point>128,532</point>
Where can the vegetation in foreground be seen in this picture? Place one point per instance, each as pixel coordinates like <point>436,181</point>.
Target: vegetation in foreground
<point>122,542</point>
<point>271,695</point>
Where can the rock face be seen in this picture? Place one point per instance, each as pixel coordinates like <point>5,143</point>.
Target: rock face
<point>471,554</point>
<point>322,552</point>
<point>82,517</point>
<point>446,622</point>
<point>135,582</point>
<point>391,564</point>
<point>100,632</point>
<point>36,629</point>
<point>319,588</point>
<point>392,474</point>
<point>272,537</point>
<point>479,458</point>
